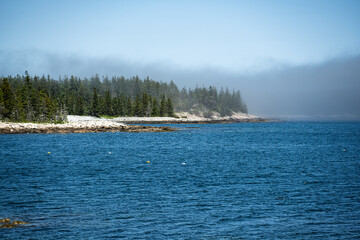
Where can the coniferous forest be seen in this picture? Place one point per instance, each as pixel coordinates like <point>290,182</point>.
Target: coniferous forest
<point>43,99</point>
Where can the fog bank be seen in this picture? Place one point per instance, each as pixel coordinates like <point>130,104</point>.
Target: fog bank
<point>323,91</point>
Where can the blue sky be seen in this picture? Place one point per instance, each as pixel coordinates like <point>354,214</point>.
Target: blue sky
<point>236,36</point>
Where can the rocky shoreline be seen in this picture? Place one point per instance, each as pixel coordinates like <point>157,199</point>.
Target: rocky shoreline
<point>186,118</point>
<point>76,127</point>
<point>86,124</point>
<point>135,120</point>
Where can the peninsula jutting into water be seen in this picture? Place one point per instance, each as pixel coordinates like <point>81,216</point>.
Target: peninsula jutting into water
<point>83,124</point>
<point>33,100</point>
<point>44,99</point>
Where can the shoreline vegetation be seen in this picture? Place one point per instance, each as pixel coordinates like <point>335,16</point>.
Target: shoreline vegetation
<point>34,104</point>
<point>44,99</point>
<point>86,124</point>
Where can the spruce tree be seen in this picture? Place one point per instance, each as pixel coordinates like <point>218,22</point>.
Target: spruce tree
<point>121,106</point>
<point>162,106</point>
<point>7,98</point>
<point>144,104</point>
<point>18,113</point>
<point>101,105</point>
<point>27,92</point>
<point>169,108</point>
<point>42,107</point>
<point>50,109</point>
<point>95,104</point>
<point>1,104</point>
<point>114,106</point>
<point>70,104</point>
<point>79,106</point>
<point>129,110</point>
<point>107,104</point>
<point>154,109</point>
<point>137,107</point>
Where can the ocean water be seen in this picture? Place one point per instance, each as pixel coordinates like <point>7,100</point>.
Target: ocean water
<point>291,180</point>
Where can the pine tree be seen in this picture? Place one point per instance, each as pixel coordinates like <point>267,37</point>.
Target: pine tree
<point>107,104</point>
<point>1,104</point>
<point>121,106</point>
<point>144,104</point>
<point>129,110</point>
<point>154,109</point>
<point>95,104</point>
<point>18,113</point>
<point>50,109</point>
<point>79,106</point>
<point>27,95</point>
<point>114,106</point>
<point>162,107</point>
<point>137,107</point>
<point>137,86</point>
<point>101,105</point>
<point>169,108</point>
<point>7,99</point>
<point>41,115</point>
<point>70,104</point>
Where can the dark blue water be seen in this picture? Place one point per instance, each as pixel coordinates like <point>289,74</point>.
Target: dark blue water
<point>223,181</point>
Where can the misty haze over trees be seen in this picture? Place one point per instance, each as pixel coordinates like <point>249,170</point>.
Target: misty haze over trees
<point>44,99</point>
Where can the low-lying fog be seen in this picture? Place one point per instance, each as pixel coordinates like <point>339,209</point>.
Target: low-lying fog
<point>323,91</point>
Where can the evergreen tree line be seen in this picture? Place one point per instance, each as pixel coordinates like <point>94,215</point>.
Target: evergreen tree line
<point>142,106</point>
<point>26,98</point>
<point>27,103</point>
<point>210,100</point>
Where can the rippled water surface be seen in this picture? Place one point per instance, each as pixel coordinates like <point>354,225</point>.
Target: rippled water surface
<point>222,181</point>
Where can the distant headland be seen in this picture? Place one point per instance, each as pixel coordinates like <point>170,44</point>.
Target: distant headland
<point>85,124</point>
<point>25,98</point>
<point>39,104</point>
